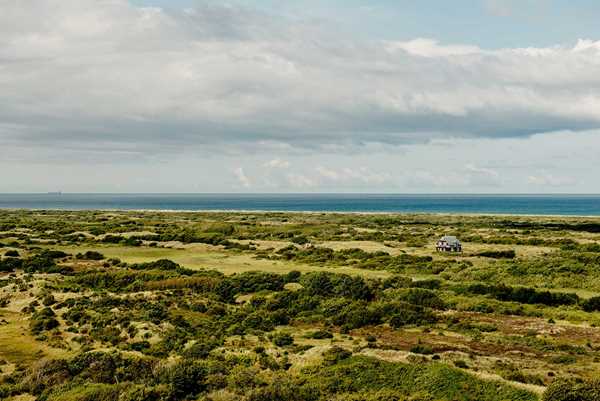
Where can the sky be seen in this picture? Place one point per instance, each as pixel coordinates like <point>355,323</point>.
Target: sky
<point>468,96</point>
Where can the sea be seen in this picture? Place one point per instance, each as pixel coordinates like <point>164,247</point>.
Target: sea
<point>562,205</point>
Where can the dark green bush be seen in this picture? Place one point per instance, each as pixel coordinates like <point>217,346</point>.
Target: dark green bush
<point>186,379</point>
<point>573,390</point>
<point>591,304</point>
<point>421,349</point>
<point>524,295</point>
<point>319,335</point>
<point>421,297</point>
<point>43,264</point>
<point>497,254</point>
<point>335,354</point>
<point>10,264</point>
<point>282,339</point>
<point>90,255</point>
<point>44,319</point>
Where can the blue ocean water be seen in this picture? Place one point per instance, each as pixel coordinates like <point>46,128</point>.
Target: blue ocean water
<point>587,205</point>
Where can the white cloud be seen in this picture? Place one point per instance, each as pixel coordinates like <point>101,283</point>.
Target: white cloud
<point>431,48</point>
<point>110,75</point>
<point>351,176</point>
<point>242,178</point>
<point>482,176</point>
<point>300,181</point>
<point>87,82</point>
<point>277,164</point>
<point>550,180</point>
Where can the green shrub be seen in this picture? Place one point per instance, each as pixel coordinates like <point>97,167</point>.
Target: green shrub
<point>335,355</point>
<point>422,349</point>
<point>572,390</point>
<point>591,304</point>
<point>524,295</point>
<point>90,255</point>
<point>43,264</point>
<point>319,335</point>
<point>563,359</point>
<point>282,339</point>
<point>10,264</point>
<point>497,254</point>
<point>54,254</point>
<point>461,364</point>
<point>161,264</point>
<point>420,297</point>
<point>42,320</point>
<point>186,379</point>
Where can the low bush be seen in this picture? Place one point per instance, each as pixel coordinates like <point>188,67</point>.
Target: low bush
<point>282,339</point>
<point>44,319</point>
<point>591,304</point>
<point>573,390</point>
<point>90,255</point>
<point>319,335</point>
<point>497,254</point>
<point>524,295</point>
<point>10,264</point>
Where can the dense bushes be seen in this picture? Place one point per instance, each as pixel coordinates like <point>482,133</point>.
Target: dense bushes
<point>429,381</point>
<point>357,257</point>
<point>90,255</point>
<point>161,264</point>
<point>249,282</point>
<point>523,295</point>
<point>44,319</point>
<point>418,296</point>
<point>282,339</point>
<point>10,264</point>
<point>339,285</point>
<point>43,264</point>
<point>591,304</point>
<point>497,254</point>
<point>404,315</point>
<point>572,390</point>
<point>186,379</point>
<point>53,254</point>
<point>118,281</point>
<point>12,253</point>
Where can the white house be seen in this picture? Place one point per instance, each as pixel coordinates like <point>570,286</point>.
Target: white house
<point>448,243</point>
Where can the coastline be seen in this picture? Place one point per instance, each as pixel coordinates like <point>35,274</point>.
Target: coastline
<point>306,212</point>
<point>545,205</point>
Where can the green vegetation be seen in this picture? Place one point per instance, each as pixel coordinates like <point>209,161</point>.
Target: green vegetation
<point>273,306</point>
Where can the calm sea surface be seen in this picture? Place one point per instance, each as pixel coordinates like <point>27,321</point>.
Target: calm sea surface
<point>502,204</point>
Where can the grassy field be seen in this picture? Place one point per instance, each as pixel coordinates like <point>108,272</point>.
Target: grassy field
<point>211,257</point>
<point>251,305</point>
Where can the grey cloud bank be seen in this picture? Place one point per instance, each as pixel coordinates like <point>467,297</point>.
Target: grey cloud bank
<point>107,82</point>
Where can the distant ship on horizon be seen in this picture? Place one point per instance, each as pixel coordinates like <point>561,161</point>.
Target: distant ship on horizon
<point>55,193</point>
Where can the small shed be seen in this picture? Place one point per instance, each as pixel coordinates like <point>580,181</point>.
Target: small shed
<point>448,243</point>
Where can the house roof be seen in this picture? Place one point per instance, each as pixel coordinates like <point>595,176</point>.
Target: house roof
<point>450,239</point>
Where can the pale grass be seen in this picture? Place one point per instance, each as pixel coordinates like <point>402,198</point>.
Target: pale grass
<point>18,346</point>
<point>201,256</point>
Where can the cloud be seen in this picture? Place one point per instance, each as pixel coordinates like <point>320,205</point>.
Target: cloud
<point>550,180</point>
<point>242,178</point>
<point>277,164</point>
<point>351,176</point>
<point>431,48</point>
<point>481,176</point>
<point>329,179</point>
<point>108,76</point>
<point>300,181</point>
